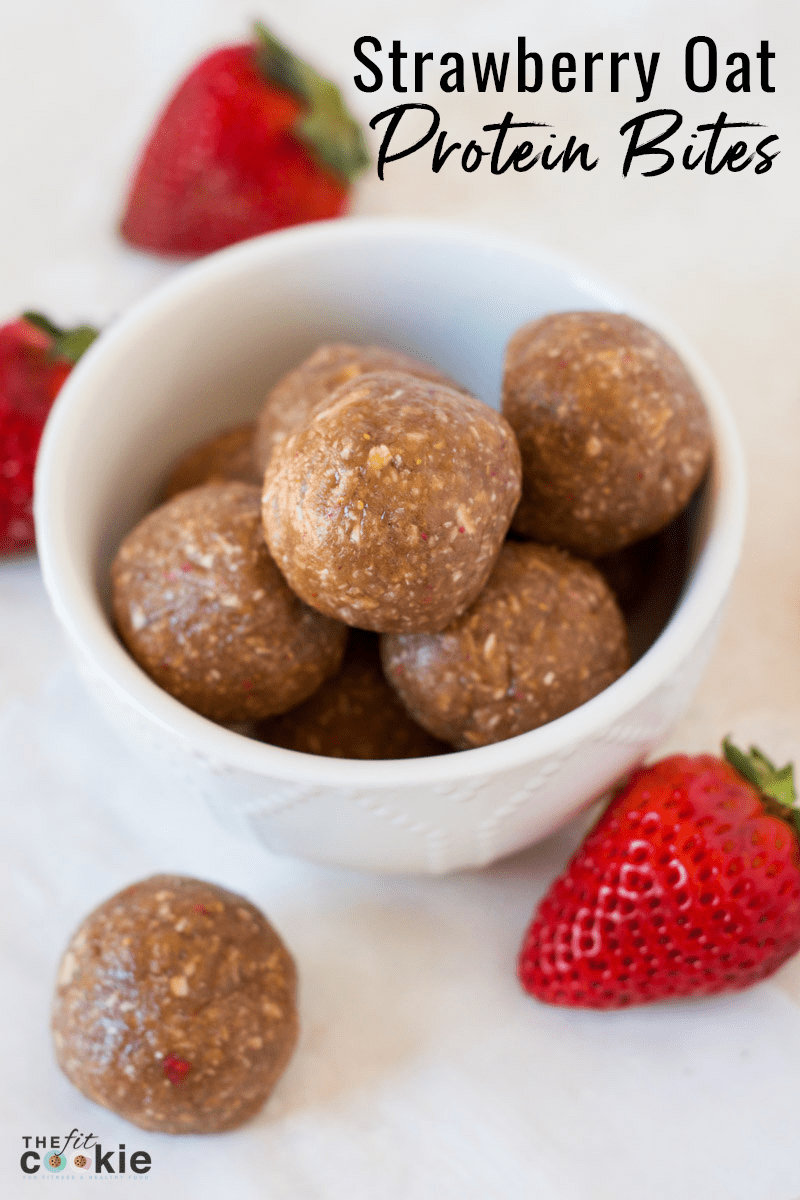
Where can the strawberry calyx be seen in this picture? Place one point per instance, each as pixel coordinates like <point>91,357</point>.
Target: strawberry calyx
<point>325,127</point>
<point>776,784</point>
<point>67,344</point>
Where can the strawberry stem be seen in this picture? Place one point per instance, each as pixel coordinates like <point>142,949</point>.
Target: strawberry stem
<point>42,322</point>
<point>67,343</point>
<point>775,782</point>
<point>326,128</point>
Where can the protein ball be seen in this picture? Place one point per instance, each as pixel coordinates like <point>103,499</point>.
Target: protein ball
<point>630,572</point>
<point>388,509</point>
<point>206,613</point>
<point>648,580</point>
<point>296,396</point>
<point>544,636</point>
<point>612,430</point>
<point>225,456</point>
<point>175,1006</point>
<point>354,715</point>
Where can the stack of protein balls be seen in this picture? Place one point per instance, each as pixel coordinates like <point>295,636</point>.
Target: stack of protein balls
<point>336,579</point>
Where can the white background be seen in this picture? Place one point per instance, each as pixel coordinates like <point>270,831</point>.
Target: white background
<point>422,1068</point>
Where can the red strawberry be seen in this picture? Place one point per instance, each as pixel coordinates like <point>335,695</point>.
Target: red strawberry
<point>253,140</point>
<point>35,359</point>
<point>688,885</point>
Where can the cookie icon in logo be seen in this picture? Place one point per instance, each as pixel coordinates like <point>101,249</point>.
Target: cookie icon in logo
<point>82,1162</point>
<point>55,1162</point>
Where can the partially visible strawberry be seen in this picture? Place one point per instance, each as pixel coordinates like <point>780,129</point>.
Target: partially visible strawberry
<point>688,885</point>
<point>252,140</point>
<point>35,359</point>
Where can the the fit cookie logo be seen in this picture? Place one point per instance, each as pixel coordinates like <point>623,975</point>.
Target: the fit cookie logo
<point>78,1154</point>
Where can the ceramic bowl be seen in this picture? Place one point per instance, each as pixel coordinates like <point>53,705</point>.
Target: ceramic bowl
<point>199,354</point>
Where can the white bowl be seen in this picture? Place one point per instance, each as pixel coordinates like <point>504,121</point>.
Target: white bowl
<point>199,354</point>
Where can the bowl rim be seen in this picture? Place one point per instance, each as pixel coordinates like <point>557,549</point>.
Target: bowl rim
<point>77,603</point>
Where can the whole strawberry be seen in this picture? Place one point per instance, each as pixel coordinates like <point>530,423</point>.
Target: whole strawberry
<point>688,885</point>
<point>35,359</point>
<point>252,140</point>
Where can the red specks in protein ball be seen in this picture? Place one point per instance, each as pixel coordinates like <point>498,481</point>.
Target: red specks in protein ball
<point>228,638</point>
<point>176,1069</point>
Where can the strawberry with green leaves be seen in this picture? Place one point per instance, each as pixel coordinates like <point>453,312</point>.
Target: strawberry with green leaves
<point>688,885</point>
<point>252,140</point>
<point>35,359</point>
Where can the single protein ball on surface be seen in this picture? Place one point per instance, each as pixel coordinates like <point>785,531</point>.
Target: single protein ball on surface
<point>175,1006</point>
<point>388,509</point>
<point>205,612</point>
<point>612,430</point>
<point>222,458</point>
<point>295,397</point>
<point>354,715</point>
<point>544,636</point>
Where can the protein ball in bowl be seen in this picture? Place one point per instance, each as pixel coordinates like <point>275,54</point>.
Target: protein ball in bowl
<point>613,433</point>
<point>544,636</point>
<point>296,396</point>
<point>175,1006</point>
<point>205,612</point>
<point>387,509</point>
<point>219,459</point>
<point>354,715</point>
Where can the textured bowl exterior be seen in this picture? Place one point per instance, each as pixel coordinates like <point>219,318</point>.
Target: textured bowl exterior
<point>446,826</point>
<point>178,371</point>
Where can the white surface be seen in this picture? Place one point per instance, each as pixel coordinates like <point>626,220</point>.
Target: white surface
<point>422,1069</point>
<point>454,298</point>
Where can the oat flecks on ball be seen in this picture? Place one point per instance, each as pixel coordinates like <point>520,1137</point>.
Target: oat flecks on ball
<point>296,396</point>
<point>225,456</point>
<point>388,508</point>
<point>175,1006</point>
<point>544,636</point>
<point>354,715</point>
<point>206,613</point>
<point>612,430</point>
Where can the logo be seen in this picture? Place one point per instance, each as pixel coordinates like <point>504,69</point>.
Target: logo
<point>79,1153</point>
